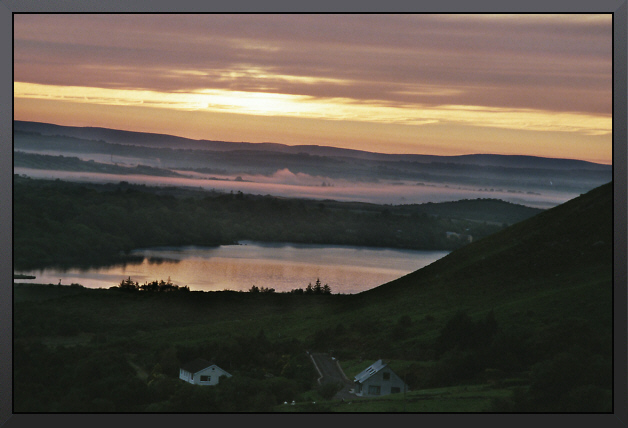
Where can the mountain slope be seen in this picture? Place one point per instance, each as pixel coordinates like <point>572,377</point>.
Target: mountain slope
<point>533,302</point>
<point>566,240</point>
<point>552,269</point>
<point>170,141</point>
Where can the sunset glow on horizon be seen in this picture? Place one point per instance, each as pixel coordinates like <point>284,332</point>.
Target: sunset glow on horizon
<point>538,85</point>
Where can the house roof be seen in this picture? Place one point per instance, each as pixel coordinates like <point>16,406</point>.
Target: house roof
<point>370,371</point>
<point>196,365</point>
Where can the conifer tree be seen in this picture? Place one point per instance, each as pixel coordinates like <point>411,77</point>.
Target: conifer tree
<point>318,289</point>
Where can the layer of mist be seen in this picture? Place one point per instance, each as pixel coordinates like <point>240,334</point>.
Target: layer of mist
<point>303,186</point>
<point>298,171</point>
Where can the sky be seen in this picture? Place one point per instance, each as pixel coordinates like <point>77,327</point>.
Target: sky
<point>532,84</point>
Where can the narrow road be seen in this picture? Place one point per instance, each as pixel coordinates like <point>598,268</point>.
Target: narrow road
<point>330,371</point>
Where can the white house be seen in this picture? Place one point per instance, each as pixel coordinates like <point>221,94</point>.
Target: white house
<point>459,236</point>
<point>201,372</point>
<point>378,379</point>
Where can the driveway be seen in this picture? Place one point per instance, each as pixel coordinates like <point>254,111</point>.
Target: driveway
<point>330,371</point>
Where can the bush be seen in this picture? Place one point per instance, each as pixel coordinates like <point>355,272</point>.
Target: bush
<point>462,333</point>
<point>329,390</point>
<point>456,367</point>
<point>569,382</point>
<point>555,381</point>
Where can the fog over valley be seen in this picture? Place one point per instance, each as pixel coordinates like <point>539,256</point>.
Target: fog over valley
<point>378,193</point>
<point>312,172</point>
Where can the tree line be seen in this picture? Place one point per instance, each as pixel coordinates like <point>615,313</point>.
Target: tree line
<point>317,288</point>
<point>160,286</point>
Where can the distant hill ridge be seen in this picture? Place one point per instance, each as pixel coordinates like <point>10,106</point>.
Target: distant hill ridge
<point>163,140</point>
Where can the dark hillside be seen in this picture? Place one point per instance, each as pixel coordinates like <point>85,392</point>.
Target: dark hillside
<point>565,240</point>
<point>490,210</point>
<point>533,302</point>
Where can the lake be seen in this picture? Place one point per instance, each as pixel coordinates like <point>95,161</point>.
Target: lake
<point>347,270</point>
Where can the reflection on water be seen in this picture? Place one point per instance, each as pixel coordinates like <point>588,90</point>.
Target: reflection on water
<point>283,267</point>
<point>158,260</point>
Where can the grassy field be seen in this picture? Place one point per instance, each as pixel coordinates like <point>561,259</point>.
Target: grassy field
<point>466,399</point>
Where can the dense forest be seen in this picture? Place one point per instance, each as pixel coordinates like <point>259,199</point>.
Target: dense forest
<point>57,222</point>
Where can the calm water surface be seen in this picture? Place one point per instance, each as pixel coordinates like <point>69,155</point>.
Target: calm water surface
<point>283,267</point>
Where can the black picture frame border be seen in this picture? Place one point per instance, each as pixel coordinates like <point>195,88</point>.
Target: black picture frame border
<point>618,8</point>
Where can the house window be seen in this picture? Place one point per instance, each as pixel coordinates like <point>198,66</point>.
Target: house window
<point>205,378</point>
<point>395,390</point>
<point>374,389</point>
<point>386,375</point>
